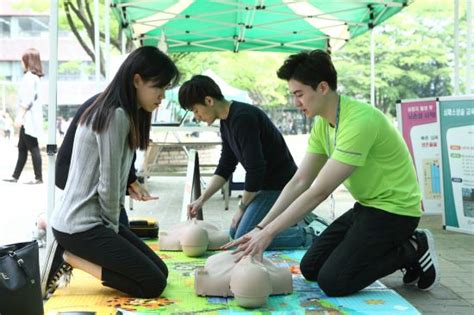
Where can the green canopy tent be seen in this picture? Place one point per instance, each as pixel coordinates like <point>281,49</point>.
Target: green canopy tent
<point>251,25</point>
<point>227,25</point>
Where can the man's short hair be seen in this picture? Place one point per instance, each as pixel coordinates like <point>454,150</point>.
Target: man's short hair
<point>195,90</point>
<point>310,68</point>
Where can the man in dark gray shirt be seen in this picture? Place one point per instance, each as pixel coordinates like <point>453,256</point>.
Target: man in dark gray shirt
<point>248,137</point>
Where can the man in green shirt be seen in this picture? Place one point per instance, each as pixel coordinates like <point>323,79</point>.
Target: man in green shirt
<point>354,144</point>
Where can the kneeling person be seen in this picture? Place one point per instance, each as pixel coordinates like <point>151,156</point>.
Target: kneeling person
<point>354,144</point>
<point>248,137</point>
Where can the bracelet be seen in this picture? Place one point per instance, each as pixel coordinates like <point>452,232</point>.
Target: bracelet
<point>259,227</point>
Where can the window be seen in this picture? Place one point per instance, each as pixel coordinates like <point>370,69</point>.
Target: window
<point>5,26</point>
<point>5,70</point>
<point>32,25</point>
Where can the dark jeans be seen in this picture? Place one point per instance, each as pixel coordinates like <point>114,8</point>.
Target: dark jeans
<point>28,143</point>
<point>360,247</point>
<point>128,264</point>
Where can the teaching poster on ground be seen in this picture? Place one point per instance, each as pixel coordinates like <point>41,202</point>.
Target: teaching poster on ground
<point>418,124</point>
<point>456,125</point>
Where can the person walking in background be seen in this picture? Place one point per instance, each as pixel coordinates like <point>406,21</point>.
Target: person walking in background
<point>29,117</point>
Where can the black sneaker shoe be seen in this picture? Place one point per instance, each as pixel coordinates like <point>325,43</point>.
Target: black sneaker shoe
<point>411,275</point>
<point>427,261</point>
<point>10,180</point>
<point>54,269</point>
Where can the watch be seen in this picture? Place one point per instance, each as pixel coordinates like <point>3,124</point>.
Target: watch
<point>242,205</point>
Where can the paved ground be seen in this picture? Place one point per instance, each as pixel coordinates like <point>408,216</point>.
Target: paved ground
<point>21,204</point>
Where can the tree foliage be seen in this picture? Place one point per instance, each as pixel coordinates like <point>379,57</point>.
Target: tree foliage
<point>414,59</point>
<point>254,72</point>
<point>414,55</point>
<point>77,16</point>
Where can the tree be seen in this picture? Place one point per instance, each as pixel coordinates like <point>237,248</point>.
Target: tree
<point>412,53</point>
<point>254,72</point>
<point>77,16</point>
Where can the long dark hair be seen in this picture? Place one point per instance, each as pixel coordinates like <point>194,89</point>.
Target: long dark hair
<point>32,61</point>
<point>153,66</point>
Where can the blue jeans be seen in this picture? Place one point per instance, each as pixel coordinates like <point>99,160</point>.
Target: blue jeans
<point>294,236</point>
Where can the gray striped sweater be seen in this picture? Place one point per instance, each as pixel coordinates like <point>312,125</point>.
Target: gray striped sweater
<point>97,180</point>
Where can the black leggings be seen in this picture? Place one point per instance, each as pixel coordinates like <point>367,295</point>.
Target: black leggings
<point>128,264</point>
<point>28,143</point>
<point>360,247</point>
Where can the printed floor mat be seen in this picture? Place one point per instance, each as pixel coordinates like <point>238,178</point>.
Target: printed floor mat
<point>85,293</point>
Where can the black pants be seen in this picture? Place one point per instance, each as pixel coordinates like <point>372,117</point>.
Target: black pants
<point>123,218</point>
<point>28,143</point>
<point>128,264</point>
<point>360,247</point>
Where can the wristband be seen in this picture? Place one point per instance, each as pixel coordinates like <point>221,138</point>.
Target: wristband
<point>259,227</point>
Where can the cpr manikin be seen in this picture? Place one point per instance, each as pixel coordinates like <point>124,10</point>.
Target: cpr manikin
<point>192,237</point>
<point>250,281</point>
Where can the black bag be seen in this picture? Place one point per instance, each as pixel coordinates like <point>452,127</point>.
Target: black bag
<point>145,228</point>
<point>20,286</point>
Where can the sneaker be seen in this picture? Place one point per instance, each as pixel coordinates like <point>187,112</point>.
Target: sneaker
<point>427,261</point>
<point>54,270</point>
<point>10,180</point>
<point>311,217</point>
<point>315,224</point>
<point>411,275</point>
<point>34,182</point>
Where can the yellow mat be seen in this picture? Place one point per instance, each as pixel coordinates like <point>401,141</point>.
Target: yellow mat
<point>86,293</point>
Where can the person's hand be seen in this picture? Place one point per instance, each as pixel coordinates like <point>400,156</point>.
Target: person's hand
<point>253,244</point>
<point>194,207</point>
<point>236,219</point>
<point>137,192</point>
<point>241,240</point>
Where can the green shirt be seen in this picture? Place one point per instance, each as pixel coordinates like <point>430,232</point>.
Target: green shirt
<point>384,177</point>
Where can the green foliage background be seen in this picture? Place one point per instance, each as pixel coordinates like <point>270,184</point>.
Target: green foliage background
<point>414,58</point>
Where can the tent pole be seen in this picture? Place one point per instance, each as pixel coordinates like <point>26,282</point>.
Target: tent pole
<point>456,47</point>
<point>51,148</point>
<point>4,100</point>
<point>124,38</point>
<point>372,66</point>
<point>96,40</point>
<point>469,48</point>
<point>107,40</point>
